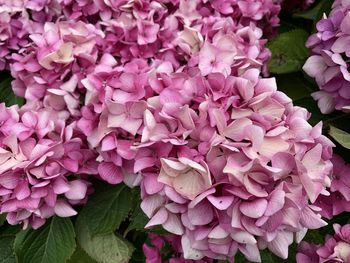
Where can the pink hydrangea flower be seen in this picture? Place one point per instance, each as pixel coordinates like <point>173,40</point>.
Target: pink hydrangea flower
<point>166,95</point>
<point>252,169</point>
<point>62,53</point>
<point>39,157</point>
<point>19,19</point>
<point>328,63</point>
<point>339,199</point>
<point>150,30</point>
<point>335,249</point>
<point>307,253</point>
<point>52,68</point>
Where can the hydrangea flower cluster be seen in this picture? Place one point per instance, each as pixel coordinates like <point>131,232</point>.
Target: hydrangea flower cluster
<point>19,19</point>
<point>339,199</point>
<point>167,95</point>
<point>330,57</point>
<point>335,249</point>
<point>134,28</point>
<point>51,69</point>
<point>264,13</point>
<point>241,174</point>
<point>38,160</point>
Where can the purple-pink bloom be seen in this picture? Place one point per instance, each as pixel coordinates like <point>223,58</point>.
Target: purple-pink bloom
<point>53,66</point>
<point>328,61</point>
<point>335,249</point>
<point>19,19</point>
<point>166,95</point>
<point>339,199</point>
<point>307,253</point>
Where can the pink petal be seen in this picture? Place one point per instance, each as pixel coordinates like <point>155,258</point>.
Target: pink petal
<point>254,209</point>
<point>174,196</point>
<point>108,143</point>
<point>151,184</point>
<point>280,244</point>
<point>200,197</point>
<point>284,161</point>
<point>311,220</point>
<point>28,203</point>
<point>276,202</point>
<point>77,190</point>
<point>313,156</point>
<point>253,187</point>
<point>22,190</point>
<point>60,186</point>
<point>325,101</point>
<point>71,165</point>
<point>151,203</point>
<point>142,163</point>
<point>314,66</point>
<point>173,225</point>
<point>189,252</point>
<point>201,214</point>
<point>256,135</point>
<point>51,198</point>
<point>251,252</point>
<point>243,237</point>
<point>110,173</point>
<point>63,209</point>
<point>218,232</point>
<point>9,181</point>
<point>221,203</point>
<point>159,218</point>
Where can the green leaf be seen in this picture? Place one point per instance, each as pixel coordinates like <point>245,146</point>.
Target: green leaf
<point>6,249</point>
<point>52,243</point>
<point>138,220</point>
<point>342,137</point>
<point>7,95</point>
<point>316,13</point>
<point>288,52</point>
<point>314,236</point>
<point>104,248</point>
<point>2,219</point>
<point>294,85</point>
<point>7,229</point>
<point>80,256</point>
<point>107,208</point>
<point>138,239</point>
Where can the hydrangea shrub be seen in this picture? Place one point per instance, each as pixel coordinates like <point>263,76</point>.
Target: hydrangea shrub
<point>174,131</point>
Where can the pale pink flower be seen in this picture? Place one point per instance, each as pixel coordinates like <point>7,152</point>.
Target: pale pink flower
<point>217,57</point>
<point>188,178</point>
